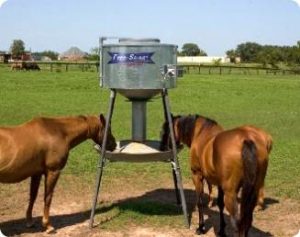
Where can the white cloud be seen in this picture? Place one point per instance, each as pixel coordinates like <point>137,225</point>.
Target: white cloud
<point>297,1</point>
<point>2,1</point>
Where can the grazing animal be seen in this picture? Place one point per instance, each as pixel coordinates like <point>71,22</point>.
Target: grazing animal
<point>18,65</point>
<point>232,160</point>
<point>21,65</point>
<point>41,147</point>
<point>31,66</point>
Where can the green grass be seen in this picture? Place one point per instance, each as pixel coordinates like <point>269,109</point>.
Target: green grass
<point>268,101</point>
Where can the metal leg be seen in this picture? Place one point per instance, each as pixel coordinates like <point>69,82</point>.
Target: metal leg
<point>175,163</point>
<point>102,159</point>
<point>173,170</point>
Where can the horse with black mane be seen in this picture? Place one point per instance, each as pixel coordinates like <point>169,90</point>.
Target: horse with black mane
<point>41,147</point>
<point>230,159</point>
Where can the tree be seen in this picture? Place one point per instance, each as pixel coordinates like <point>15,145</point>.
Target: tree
<point>94,54</point>
<point>248,51</point>
<point>191,49</point>
<point>231,54</point>
<point>51,54</point>
<point>17,48</point>
<point>48,53</point>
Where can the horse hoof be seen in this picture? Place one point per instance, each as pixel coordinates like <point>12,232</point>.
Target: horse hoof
<point>50,230</point>
<point>259,208</point>
<point>201,230</point>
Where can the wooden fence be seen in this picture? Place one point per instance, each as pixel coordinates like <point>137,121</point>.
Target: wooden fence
<point>183,68</point>
<point>63,66</point>
<point>69,66</point>
<point>231,69</point>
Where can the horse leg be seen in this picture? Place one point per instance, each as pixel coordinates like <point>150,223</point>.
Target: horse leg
<point>210,195</point>
<point>51,178</point>
<point>221,208</point>
<point>34,187</point>
<point>198,182</point>
<point>260,199</point>
<point>231,204</point>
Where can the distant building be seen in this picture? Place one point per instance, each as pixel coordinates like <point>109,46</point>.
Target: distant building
<point>237,60</point>
<point>46,59</point>
<point>73,54</point>
<point>5,57</point>
<point>23,57</point>
<point>202,59</point>
<point>38,57</point>
<point>26,57</point>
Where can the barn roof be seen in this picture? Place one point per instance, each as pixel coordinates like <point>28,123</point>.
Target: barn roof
<point>73,52</point>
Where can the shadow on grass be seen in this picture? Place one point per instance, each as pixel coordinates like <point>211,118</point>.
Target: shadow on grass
<point>159,202</point>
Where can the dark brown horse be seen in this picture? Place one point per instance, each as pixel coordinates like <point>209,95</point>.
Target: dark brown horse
<point>41,147</point>
<point>233,159</point>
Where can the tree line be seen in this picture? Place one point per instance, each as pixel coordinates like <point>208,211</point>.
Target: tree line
<point>249,52</point>
<point>17,49</point>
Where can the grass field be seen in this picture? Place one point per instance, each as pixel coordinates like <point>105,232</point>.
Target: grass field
<point>270,102</point>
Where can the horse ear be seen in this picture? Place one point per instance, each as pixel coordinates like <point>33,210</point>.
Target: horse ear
<point>102,119</point>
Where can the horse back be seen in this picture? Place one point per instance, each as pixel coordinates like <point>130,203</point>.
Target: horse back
<point>25,150</point>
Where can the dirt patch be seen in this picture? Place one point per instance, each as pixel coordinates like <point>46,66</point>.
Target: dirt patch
<point>70,211</point>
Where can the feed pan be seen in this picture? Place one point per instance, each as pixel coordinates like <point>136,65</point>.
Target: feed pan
<point>130,151</point>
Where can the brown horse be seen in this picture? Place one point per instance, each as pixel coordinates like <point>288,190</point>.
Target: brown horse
<point>41,147</point>
<point>233,159</point>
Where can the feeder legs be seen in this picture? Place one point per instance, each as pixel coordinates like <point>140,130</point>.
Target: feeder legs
<point>173,170</point>
<point>102,159</point>
<point>174,162</point>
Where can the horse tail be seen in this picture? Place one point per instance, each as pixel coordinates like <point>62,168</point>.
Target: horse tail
<point>249,191</point>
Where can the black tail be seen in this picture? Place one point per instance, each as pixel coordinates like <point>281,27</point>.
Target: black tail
<point>249,192</point>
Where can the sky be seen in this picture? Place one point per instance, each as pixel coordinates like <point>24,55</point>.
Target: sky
<point>214,25</point>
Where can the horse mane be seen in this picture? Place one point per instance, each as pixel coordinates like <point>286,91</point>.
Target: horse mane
<point>208,123</point>
<point>186,126</point>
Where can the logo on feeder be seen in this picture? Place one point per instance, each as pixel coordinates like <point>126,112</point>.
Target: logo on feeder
<point>130,58</point>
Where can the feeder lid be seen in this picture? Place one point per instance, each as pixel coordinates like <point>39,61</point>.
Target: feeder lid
<point>139,41</point>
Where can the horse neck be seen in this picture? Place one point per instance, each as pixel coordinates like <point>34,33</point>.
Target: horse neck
<point>78,129</point>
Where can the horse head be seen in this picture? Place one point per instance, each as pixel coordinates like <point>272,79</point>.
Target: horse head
<point>111,141</point>
<point>183,127</point>
<point>166,141</point>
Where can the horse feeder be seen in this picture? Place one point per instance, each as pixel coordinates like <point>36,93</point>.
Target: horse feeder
<point>139,69</point>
